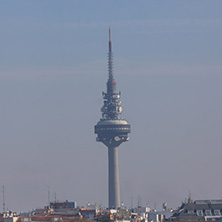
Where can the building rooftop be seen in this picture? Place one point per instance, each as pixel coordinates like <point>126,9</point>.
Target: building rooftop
<point>200,208</point>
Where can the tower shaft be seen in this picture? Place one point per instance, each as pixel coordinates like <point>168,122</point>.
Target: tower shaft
<point>114,189</point>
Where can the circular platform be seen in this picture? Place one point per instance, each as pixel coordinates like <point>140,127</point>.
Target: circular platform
<point>112,130</point>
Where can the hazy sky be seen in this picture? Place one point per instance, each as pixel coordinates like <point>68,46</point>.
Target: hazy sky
<point>53,69</point>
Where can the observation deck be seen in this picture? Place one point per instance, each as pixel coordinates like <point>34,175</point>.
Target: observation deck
<point>112,131</point>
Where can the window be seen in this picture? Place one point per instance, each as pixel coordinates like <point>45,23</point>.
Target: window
<point>217,213</point>
<point>199,213</point>
<point>208,213</point>
<point>190,212</point>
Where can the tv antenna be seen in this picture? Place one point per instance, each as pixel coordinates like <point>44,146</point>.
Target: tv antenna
<point>3,196</point>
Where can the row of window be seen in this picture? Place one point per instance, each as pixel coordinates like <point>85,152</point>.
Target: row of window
<point>200,213</point>
<point>125,128</point>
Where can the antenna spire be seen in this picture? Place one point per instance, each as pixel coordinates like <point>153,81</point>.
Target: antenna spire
<point>111,84</point>
<point>110,43</point>
<point>109,34</point>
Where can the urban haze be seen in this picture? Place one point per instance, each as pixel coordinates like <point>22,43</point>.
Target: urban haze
<point>53,68</point>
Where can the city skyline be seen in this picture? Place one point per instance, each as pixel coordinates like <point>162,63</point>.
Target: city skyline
<point>52,66</point>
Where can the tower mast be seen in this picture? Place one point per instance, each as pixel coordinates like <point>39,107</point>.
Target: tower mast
<point>110,58</point>
<point>112,130</point>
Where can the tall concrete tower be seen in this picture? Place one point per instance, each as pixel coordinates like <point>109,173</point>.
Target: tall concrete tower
<point>112,130</point>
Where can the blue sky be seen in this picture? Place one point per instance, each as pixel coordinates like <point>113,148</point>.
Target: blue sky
<point>53,69</point>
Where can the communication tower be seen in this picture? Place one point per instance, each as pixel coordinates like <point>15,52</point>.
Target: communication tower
<point>112,130</point>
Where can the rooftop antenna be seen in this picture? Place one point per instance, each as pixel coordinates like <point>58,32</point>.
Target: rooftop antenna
<point>131,202</point>
<point>3,196</point>
<point>139,201</point>
<point>49,195</point>
<point>55,197</point>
